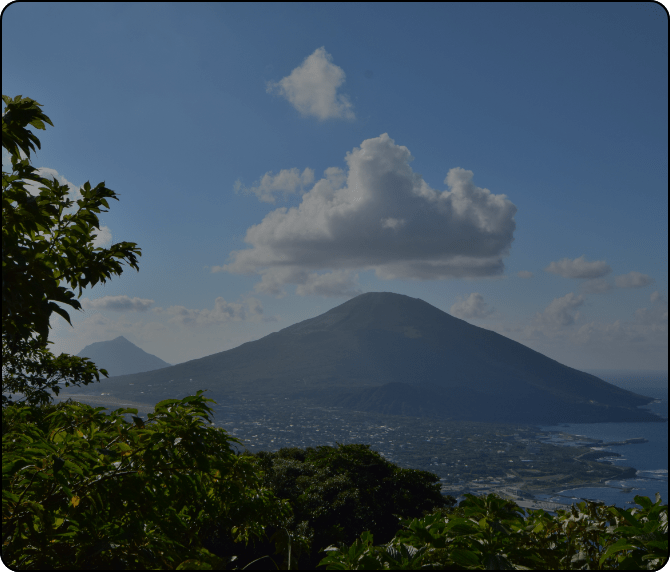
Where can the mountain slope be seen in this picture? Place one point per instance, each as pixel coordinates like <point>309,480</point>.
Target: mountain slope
<point>380,350</point>
<point>121,357</point>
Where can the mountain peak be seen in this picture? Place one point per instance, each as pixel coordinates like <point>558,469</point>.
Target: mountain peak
<point>381,349</point>
<point>121,357</point>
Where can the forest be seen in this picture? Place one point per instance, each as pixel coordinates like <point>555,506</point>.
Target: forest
<point>83,488</point>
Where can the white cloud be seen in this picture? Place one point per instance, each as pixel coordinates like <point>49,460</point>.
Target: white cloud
<point>117,304</point>
<point>336,283</point>
<point>579,268</point>
<point>657,315</point>
<point>381,216</point>
<point>393,222</point>
<point>103,237</point>
<point>638,343</point>
<point>222,312</point>
<point>288,181</point>
<point>596,286</point>
<point>645,337</point>
<point>633,280</point>
<point>312,88</point>
<point>524,274</point>
<point>473,307</point>
<point>558,313</point>
<point>33,188</point>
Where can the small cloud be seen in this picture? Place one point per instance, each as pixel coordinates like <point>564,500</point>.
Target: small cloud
<point>558,313</point>
<point>633,280</point>
<point>312,88</point>
<point>117,304</point>
<point>222,312</point>
<point>287,181</point>
<point>657,315</point>
<point>524,274</point>
<point>102,237</point>
<point>33,187</point>
<point>332,284</point>
<point>393,222</point>
<point>473,307</point>
<point>579,268</point>
<point>596,286</point>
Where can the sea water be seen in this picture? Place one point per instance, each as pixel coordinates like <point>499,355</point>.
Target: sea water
<point>650,459</point>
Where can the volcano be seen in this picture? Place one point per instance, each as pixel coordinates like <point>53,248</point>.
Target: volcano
<point>120,357</point>
<point>389,353</point>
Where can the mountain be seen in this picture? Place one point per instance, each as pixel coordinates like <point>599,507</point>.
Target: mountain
<point>121,357</point>
<point>390,353</point>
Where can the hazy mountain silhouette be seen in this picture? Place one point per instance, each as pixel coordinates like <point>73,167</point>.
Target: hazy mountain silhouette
<point>121,357</point>
<point>390,353</point>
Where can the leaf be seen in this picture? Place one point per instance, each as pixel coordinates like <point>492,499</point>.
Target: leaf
<point>194,565</point>
<point>58,464</point>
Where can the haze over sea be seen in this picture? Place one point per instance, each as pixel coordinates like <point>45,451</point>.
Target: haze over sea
<point>650,459</point>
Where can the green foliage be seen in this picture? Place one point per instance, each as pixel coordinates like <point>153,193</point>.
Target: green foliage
<point>337,493</point>
<point>45,250</point>
<point>82,489</point>
<point>489,533</point>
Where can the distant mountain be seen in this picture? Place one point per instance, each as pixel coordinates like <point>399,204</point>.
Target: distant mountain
<point>390,353</point>
<point>121,357</point>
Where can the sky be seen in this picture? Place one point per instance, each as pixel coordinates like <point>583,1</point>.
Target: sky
<point>505,162</point>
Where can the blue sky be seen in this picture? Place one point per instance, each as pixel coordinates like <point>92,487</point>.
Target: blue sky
<point>506,163</point>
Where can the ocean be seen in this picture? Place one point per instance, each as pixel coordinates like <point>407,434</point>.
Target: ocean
<point>650,459</point>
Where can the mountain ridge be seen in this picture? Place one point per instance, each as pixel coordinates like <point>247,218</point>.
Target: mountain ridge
<point>350,354</point>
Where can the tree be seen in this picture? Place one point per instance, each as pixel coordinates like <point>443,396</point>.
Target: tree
<point>83,489</point>
<point>337,493</point>
<point>45,250</point>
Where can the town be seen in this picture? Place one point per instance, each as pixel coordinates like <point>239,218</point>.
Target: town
<point>512,460</point>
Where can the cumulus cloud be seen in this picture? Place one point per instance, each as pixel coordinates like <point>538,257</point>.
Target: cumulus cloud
<point>33,187</point>
<point>559,313</point>
<point>472,307</point>
<point>596,286</point>
<point>657,315</point>
<point>117,304</point>
<point>524,274</point>
<point>645,336</point>
<point>287,181</point>
<point>640,342</point>
<point>382,216</point>
<point>102,237</point>
<point>312,88</point>
<point>579,268</point>
<point>250,310</point>
<point>633,280</point>
<point>336,283</point>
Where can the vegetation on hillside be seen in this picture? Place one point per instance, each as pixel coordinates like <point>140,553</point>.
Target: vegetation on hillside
<point>490,533</point>
<point>336,494</point>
